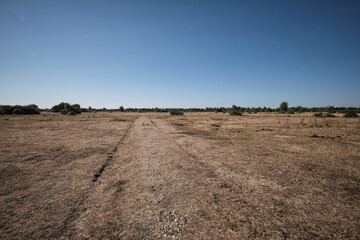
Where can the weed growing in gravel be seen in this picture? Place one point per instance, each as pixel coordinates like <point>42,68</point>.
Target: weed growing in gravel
<point>119,186</point>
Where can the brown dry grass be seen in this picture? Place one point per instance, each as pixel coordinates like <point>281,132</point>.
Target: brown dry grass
<point>196,176</point>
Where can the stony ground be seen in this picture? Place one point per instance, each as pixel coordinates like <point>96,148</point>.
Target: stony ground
<point>197,176</point>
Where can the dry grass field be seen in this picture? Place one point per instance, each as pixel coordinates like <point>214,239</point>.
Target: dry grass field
<point>196,176</point>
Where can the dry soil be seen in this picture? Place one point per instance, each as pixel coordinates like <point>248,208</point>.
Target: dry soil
<point>196,176</point>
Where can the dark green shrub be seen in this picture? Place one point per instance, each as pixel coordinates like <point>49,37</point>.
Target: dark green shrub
<point>18,111</point>
<point>324,115</point>
<point>64,108</point>
<point>235,112</point>
<point>71,113</point>
<point>291,111</point>
<point>329,115</point>
<point>283,107</point>
<point>29,109</point>
<point>350,114</point>
<point>176,113</point>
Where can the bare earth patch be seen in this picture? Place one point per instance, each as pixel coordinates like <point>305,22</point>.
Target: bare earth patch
<point>196,176</point>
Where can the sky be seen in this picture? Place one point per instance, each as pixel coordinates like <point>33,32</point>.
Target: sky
<point>180,53</point>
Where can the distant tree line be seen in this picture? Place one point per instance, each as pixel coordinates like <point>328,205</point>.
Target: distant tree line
<point>72,109</point>
<point>234,110</point>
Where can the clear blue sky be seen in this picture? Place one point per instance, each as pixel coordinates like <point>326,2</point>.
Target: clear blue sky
<point>180,53</point>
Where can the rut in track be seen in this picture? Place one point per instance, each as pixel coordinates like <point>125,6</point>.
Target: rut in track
<point>67,226</point>
<point>110,157</point>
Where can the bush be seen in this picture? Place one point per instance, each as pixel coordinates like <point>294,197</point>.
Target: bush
<point>18,111</point>
<point>29,109</point>
<point>71,113</point>
<point>235,112</point>
<point>291,111</point>
<point>176,113</point>
<point>283,107</point>
<point>65,108</point>
<point>318,114</point>
<point>350,114</point>
<point>329,115</point>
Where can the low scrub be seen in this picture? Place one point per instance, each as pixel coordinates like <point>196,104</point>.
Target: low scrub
<point>351,114</point>
<point>324,115</point>
<point>17,109</point>
<point>176,113</point>
<point>235,112</point>
<point>290,111</point>
<point>329,115</point>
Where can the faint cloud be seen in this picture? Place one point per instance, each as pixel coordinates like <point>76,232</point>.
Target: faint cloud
<point>29,52</point>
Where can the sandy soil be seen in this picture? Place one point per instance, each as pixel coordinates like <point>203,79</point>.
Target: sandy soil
<point>197,176</point>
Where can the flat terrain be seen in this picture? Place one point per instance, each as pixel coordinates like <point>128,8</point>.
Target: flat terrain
<point>196,176</point>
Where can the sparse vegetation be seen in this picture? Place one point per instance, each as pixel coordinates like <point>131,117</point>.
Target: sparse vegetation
<point>176,113</point>
<point>119,186</point>
<point>351,114</point>
<point>290,111</point>
<point>322,115</point>
<point>329,115</point>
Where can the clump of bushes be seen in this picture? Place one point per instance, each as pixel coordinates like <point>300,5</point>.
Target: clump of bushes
<point>324,115</point>
<point>176,113</point>
<point>17,109</point>
<point>329,115</point>
<point>351,114</point>
<point>291,111</point>
<point>235,112</point>
<point>67,108</point>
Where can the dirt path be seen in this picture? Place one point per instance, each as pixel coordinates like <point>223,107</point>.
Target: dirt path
<point>155,189</point>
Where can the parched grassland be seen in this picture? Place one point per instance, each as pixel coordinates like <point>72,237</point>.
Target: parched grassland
<point>196,176</point>
<point>47,163</point>
<point>303,172</point>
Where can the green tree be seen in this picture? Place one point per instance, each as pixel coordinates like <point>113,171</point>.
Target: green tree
<point>283,107</point>
<point>121,108</point>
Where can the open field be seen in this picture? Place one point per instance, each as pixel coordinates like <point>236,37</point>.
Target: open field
<point>196,176</point>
